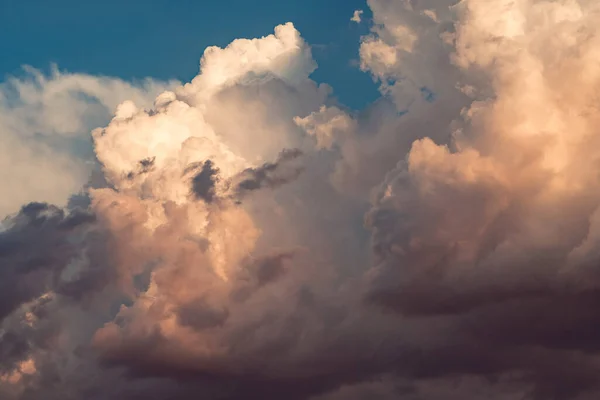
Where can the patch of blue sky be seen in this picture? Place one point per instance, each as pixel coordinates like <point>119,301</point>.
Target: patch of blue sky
<point>164,39</point>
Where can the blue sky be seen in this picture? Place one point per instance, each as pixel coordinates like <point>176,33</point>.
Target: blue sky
<point>164,39</point>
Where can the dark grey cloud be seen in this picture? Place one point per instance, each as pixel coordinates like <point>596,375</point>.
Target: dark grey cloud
<point>203,182</point>
<point>144,166</point>
<point>272,175</point>
<point>35,248</point>
<point>269,175</point>
<point>201,315</point>
<point>512,308</point>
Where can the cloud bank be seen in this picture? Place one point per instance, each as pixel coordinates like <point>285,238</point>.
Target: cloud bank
<point>248,237</point>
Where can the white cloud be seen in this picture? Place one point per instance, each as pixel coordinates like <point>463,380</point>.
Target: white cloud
<point>326,124</point>
<point>283,54</point>
<point>45,123</point>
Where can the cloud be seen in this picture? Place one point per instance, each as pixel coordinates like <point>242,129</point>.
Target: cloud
<point>269,175</point>
<point>34,249</point>
<point>357,16</point>
<point>326,125</point>
<point>45,121</point>
<point>466,232</point>
<point>203,183</point>
<point>253,238</point>
<point>283,55</point>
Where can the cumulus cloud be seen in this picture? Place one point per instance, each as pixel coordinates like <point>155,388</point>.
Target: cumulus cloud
<point>477,235</point>
<point>45,120</point>
<point>253,238</point>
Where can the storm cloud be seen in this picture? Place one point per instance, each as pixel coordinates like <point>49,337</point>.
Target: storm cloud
<point>267,244</point>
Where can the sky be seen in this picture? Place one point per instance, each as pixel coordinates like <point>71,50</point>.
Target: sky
<point>327,200</point>
<point>163,39</point>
